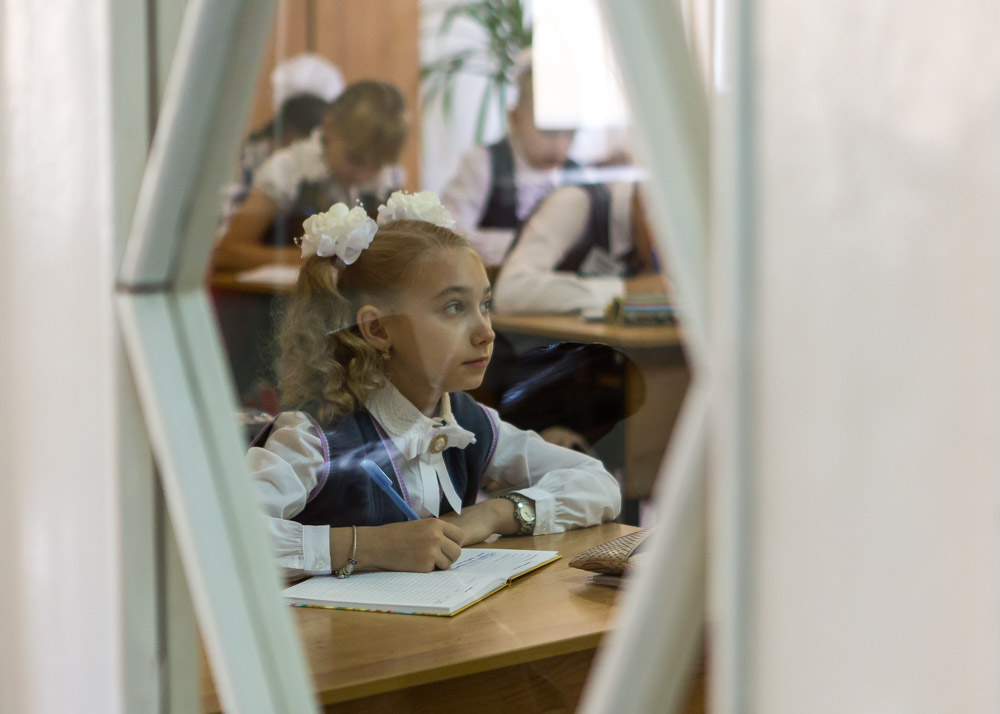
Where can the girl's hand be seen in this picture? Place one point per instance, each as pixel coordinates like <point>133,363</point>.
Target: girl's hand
<point>481,520</point>
<point>417,546</point>
<point>566,438</point>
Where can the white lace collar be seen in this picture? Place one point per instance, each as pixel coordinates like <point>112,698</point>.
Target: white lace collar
<point>422,440</point>
<point>406,424</point>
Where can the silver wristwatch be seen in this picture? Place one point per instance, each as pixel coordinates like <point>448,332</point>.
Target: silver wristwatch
<point>524,512</point>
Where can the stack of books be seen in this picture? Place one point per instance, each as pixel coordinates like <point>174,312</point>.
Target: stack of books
<point>644,309</point>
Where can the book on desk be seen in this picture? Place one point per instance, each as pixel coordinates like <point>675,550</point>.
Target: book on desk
<point>478,573</point>
<point>641,309</point>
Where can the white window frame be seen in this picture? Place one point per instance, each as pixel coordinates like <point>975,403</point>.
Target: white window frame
<point>177,361</point>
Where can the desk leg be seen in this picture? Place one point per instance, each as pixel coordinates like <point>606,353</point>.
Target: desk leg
<point>658,381</point>
<point>248,323</point>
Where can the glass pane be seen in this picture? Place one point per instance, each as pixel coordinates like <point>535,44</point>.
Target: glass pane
<point>515,371</point>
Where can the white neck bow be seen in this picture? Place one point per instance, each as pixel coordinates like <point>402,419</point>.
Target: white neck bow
<point>424,439</point>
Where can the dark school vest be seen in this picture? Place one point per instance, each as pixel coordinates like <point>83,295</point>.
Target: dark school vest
<point>312,197</point>
<point>345,494</point>
<point>501,207</point>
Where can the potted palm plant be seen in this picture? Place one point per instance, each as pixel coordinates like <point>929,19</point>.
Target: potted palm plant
<point>505,36</point>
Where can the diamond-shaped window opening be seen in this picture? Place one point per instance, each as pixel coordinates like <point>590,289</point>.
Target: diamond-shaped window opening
<point>175,352</point>
<point>177,361</point>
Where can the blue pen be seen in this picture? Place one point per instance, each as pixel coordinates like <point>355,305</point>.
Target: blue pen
<point>385,483</point>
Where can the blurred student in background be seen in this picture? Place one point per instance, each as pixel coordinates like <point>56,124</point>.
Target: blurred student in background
<point>303,87</point>
<point>584,246</point>
<point>351,157</point>
<point>497,186</point>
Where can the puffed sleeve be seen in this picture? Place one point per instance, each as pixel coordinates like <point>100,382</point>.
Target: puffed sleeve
<point>466,196</point>
<point>529,281</point>
<point>285,470</point>
<point>570,489</point>
<point>466,193</point>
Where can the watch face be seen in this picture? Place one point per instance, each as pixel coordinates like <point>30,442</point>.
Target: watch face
<point>524,512</point>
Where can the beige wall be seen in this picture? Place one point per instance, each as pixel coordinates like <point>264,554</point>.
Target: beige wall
<point>875,308</point>
<point>60,364</point>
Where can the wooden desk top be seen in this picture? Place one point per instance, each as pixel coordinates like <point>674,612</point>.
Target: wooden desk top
<point>228,281</point>
<point>573,327</point>
<point>558,327</point>
<point>552,611</point>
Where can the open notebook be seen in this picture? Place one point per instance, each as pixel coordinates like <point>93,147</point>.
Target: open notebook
<point>478,572</point>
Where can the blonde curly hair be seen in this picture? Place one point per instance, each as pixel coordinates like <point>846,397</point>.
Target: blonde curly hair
<point>328,368</point>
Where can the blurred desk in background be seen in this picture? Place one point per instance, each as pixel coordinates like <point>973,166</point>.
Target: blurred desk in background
<point>657,355</point>
<point>576,329</point>
<point>267,279</point>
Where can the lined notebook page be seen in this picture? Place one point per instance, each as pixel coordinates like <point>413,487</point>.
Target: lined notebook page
<point>477,572</point>
<point>501,562</point>
<point>437,589</point>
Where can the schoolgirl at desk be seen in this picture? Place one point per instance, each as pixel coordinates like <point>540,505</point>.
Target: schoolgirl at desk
<point>377,355</point>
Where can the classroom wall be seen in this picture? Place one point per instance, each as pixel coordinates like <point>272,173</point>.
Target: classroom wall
<point>62,646</point>
<point>852,381</point>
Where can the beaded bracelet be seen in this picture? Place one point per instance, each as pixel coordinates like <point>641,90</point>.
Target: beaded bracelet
<point>346,570</point>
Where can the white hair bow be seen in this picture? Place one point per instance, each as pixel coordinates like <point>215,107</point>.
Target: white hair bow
<point>346,232</point>
<point>423,206</point>
<point>340,231</point>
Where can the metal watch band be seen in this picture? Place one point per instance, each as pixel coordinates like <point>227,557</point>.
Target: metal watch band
<point>527,526</point>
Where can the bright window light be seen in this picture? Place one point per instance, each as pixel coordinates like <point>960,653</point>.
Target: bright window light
<point>575,74</point>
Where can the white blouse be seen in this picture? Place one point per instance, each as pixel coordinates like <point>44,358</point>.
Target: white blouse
<point>570,489</point>
<point>282,173</point>
<point>529,281</point>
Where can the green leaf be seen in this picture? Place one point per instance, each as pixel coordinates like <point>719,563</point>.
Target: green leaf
<point>455,11</point>
<point>502,96</point>
<point>484,105</point>
<point>449,63</point>
<point>432,90</point>
<point>474,11</point>
<point>506,35</point>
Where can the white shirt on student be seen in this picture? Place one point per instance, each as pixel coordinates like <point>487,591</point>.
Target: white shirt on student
<point>281,174</point>
<point>529,281</point>
<point>468,193</point>
<point>570,489</point>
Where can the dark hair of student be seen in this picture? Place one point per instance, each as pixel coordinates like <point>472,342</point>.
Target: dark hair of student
<point>296,119</point>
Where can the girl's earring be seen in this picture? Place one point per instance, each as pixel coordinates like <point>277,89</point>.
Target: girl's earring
<point>385,355</point>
